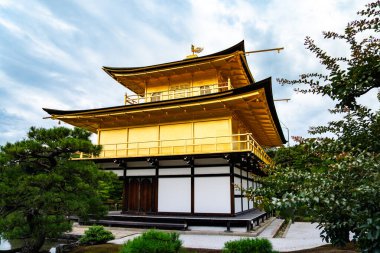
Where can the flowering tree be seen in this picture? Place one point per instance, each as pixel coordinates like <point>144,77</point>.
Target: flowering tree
<point>335,181</point>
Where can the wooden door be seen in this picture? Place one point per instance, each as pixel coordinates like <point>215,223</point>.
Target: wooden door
<point>133,195</point>
<point>141,195</point>
<point>146,195</point>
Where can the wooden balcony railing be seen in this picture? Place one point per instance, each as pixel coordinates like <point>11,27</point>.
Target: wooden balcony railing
<point>219,144</point>
<point>177,93</point>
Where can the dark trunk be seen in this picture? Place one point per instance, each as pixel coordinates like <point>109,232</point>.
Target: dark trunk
<point>346,236</point>
<point>33,245</point>
<point>342,237</point>
<point>37,235</point>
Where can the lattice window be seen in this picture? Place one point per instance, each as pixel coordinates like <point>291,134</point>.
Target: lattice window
<point>180,91</point>
<point>156,96</point>
<point>205,89</point>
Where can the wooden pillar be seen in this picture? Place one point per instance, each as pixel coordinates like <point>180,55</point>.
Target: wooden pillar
<point>156,165</point>
<point>124,203</point>
<point>146,90</point>
<point>249,168</point>
<point>232,188</point>
<point>190,161</point>
<point>192,186</point>
<point>155,185</point>
<point>241,184</point>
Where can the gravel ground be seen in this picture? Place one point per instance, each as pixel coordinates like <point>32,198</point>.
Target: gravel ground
<point>301,235</point>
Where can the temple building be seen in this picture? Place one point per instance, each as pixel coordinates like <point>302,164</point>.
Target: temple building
<point>191,131</point>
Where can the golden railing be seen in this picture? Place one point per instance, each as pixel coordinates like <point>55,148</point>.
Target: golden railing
<point>219,144</point>
<point>177,93</point>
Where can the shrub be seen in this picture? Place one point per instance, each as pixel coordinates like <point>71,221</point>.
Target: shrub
<point>96,235</point>
<point>153,241</point>
<point>257,245</point>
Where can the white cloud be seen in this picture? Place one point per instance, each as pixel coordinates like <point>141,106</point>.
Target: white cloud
<point>13,28</point>
<point>304,111</point>
<point>69,50</point>
<point>24,100</point>
<point>305,18</point>
<point>5,3</point>
<point>276,23</point>
<point>36,29</point>
<point>215,25</point>
<point>46,17</point>
<point>37,12</point>
<point>21,107</point>
<point>370,99</point>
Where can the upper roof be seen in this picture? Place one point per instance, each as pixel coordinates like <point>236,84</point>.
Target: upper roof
<point>134,77</point>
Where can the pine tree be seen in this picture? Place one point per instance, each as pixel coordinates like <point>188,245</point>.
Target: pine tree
<point>40,187</point>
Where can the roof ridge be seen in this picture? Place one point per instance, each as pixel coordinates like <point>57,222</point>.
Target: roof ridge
<point>233,49</point>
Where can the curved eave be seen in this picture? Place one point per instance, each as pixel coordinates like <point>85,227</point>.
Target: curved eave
<point>246,68</point>
<point>119,70</point>
<point>272,108</point>
<point>244,100</point>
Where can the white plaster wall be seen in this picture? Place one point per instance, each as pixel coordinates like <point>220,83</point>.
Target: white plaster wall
<point>245,204</point>
<point>138,164</point>
<point>250,184</point>
<point>237,171</point>
<point>237,205</point>
<point>244,185</point>
<point>210,161</point>
<point>212,195</point>
<point>108,165</point>
<point>142,172</point>
<point>251,204</point>
<point>237,182</point>
<point>174,171</point>
<point>211,170</point>
<point>174,195</point>
<point>119,173</point>
<point>172,162</point>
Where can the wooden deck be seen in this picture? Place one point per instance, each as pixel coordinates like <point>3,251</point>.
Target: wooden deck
<point>248,220</point>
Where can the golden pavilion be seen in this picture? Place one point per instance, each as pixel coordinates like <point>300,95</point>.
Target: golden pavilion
<point>192,130</point>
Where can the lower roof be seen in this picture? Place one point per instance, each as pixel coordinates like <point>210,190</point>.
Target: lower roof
<point>252,104</point>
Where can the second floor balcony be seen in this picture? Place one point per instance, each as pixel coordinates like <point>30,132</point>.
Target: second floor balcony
<point>220,144</point>
<point>174,92</point>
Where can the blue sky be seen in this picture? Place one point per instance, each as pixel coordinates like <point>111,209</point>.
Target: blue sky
<point>51,52</point>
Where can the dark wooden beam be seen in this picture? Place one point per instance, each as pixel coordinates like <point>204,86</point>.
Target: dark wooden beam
<point>232,187</point>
